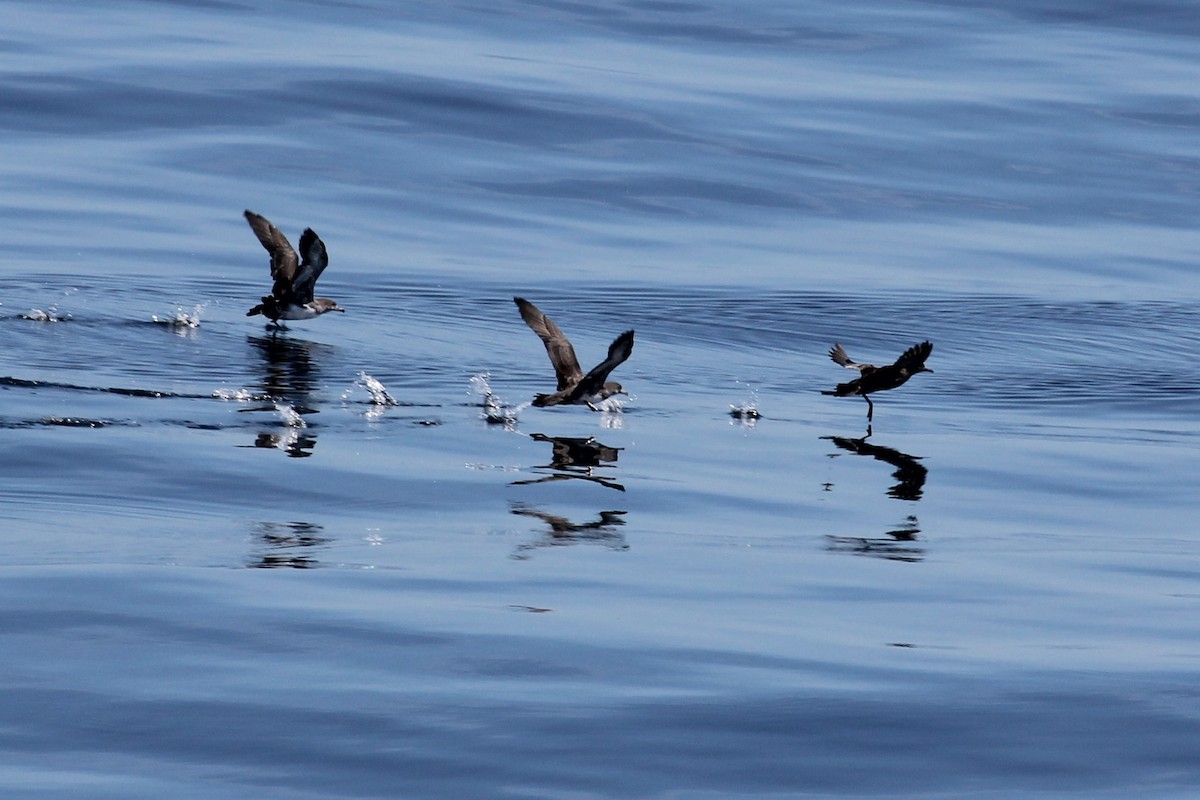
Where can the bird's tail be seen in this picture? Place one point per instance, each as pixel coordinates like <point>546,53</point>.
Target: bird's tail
<point>265,307</point>
<point>541,400</point>
<point>842,390</point>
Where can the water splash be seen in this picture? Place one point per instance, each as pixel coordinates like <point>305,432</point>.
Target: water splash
<point>494,409</point>
<point>610,405</point>
<point>380,396</point>
<point>49,315</point>
<point>290,416</point>
<point>74,422</point>
<point>235,395</point>
<point>746,413</point>
<point>181,322</point>
<point>480,385</point>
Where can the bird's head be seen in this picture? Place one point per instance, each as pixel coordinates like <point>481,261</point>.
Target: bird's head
<point>612,387</point>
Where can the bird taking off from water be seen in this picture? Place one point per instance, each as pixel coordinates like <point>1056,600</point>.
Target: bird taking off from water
<point>877,379</point>
<point>573,386</point>
<point>295,278</point>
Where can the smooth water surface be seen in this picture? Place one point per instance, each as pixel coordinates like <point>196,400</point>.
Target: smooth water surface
<point>347,559</point>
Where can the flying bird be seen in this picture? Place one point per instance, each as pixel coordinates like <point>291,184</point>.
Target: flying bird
<point>573,386</point>
<point>295,278</point>
<point>877,379</point>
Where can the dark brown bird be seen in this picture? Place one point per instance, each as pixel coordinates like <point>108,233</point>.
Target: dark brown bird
<point>573,386</point>
<point>295,279</point>
<point>877,379</point>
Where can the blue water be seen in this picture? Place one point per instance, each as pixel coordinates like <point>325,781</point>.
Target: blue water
<point>232,568</point>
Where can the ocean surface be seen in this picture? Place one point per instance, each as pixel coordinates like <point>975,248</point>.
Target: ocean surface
<point>348,560</point>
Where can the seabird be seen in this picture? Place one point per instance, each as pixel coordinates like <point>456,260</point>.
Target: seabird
<point>291,295</point>
<point>877,379</point>
<point>573,386</point>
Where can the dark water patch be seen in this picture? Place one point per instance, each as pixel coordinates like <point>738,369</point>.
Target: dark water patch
<point>994,349</point>
<point>60,104</point>
<point>1084,385</point>
<point>706,26</point>
<point>1171,19</point>
<point>75,422</point>
<point>727,32</point>
<point>117,390</point>
<point>1054,741</point>
<point>67,422</point>
<point>477,111</point>
<point>661,194</point>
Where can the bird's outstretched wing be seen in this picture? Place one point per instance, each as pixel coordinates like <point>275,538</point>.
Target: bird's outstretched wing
<point>618,351</point>
<point>914,357</point>
<point>315,259</point>
<point>838,354</point>
<point>283,257</point>
<point>558,347</point>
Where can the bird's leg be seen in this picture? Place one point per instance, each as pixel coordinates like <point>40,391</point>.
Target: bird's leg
<point>870,408</point>
<point>592,406</point>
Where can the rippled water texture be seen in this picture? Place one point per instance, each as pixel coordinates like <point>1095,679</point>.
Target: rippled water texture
<point>349,559</point>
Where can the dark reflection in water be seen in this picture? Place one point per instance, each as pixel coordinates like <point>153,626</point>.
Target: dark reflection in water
<point>572,457</point>
<point>910,473</point>
<point>291,372</point>
<point>895,544</point>
<point>296,442</point>
<point>562,531</point>
<point>291,377</point>
<point>24,383</point>
<point>286,544</point>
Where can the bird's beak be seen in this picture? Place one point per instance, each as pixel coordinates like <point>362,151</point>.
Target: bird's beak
<point>926,369</point>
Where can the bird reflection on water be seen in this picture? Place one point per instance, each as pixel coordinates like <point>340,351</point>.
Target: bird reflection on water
<point>894,545</point>
<point>910,472</point>
<point>292,374</point>
<point>292,442</point>
<point>910,475</point>
<point>287,544</point>
<point>562,531</point>
<point>290,379</point>
<point>575,457</point>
